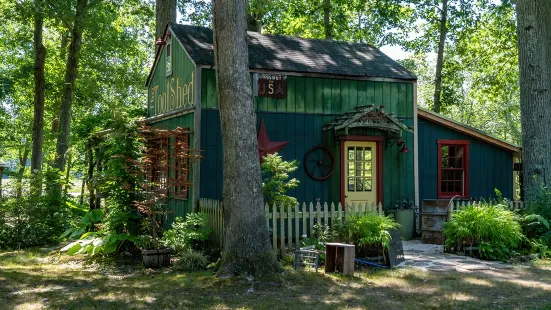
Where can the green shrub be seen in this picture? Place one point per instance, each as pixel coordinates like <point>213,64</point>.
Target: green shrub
<point>276,181</point>
<point>33,221</point>
<point>86,240</point>
<point>366,230</point>
<point>494,229</point>
<point>187,234</point>
<point>191,260</point>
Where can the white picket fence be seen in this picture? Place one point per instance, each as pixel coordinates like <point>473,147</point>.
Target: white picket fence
<point>289,224</point>
<point>458,205</point>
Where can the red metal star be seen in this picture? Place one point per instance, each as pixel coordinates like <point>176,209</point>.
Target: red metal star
<point>265,146</point>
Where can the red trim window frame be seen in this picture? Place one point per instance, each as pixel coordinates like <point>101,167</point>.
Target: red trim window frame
<point>181,165</point>
<point>453,168</point>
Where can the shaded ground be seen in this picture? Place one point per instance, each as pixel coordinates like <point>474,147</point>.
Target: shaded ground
<point>35,280</point>
<point>431,257</point>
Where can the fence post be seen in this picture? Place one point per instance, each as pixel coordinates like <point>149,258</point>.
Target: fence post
<point>311,211</point>
<point>289,228</point>
<point>325,214</point>
<point>282,229</point>
<point>303,212</point>
<point>297,232</point>
<point>274,228</point>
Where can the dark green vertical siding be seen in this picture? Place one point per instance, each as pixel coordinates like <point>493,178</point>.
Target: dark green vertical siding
<point>179,207</point>
<point>182,69</point>
<point>490,168</point>
<point>311,104</point>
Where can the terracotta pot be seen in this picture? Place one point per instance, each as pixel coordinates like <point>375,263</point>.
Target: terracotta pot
<point>156,258</point>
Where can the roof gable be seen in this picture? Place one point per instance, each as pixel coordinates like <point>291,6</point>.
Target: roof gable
<point>467,130</point>
<point>293,54</point>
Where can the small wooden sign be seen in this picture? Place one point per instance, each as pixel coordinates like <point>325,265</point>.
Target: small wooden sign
<point>395,251</point>
<point>271,85</point>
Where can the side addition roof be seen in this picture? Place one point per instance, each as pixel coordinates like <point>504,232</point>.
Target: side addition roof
<point>467,130</point>
<point>293,54</point>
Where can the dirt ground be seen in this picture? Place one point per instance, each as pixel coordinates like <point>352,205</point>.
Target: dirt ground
<point>40,279</point>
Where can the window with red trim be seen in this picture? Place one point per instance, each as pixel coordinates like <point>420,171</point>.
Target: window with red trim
<point>453,168</point>
<point>181,178</point>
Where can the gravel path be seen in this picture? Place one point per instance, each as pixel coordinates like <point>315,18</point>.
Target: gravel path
<point>431,257</point>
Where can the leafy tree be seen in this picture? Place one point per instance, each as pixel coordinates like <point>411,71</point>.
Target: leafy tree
<point>276,182</point>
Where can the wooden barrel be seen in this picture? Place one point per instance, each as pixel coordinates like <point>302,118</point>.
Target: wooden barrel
<point>434,214</point>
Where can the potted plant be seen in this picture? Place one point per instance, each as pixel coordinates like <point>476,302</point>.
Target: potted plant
<point>404,213</point>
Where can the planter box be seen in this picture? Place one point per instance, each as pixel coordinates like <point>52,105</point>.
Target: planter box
<point>156,258</point>
<point>406,220</point>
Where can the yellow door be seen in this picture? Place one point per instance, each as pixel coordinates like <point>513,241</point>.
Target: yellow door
<point>360,172</point>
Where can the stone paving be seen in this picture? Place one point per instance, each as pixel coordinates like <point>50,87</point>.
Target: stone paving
<point>431,257</point>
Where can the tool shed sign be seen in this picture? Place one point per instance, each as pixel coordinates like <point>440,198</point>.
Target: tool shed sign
<point>270,85</point>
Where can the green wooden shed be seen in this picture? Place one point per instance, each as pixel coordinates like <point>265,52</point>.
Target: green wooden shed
<point>345,111</point>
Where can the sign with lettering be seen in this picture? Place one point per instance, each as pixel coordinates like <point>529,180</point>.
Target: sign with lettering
<point>175,94</point>
<point>270,85</point>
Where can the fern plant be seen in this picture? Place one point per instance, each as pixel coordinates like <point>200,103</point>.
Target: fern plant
<point>367,230</point>
<point>494,229</point>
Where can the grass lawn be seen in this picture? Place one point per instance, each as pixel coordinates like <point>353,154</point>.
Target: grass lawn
<point>36,279</point>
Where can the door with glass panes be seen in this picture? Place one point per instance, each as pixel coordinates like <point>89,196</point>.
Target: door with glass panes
<point>360,172</point>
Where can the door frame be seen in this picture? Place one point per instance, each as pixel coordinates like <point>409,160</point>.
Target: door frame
<point>379,165</point>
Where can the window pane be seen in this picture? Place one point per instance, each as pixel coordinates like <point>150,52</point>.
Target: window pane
<point>367,153</point>
<point>445,175</point>
<point>351,166</point>
<point>359,153</point>
<point>351,153</point>
<point>458,187</point>
<point>367,184</point>
<point>351,186</point>
<point>443,187</point>
<point>359,185</point>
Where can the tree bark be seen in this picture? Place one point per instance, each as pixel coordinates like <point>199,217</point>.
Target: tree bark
<point>89,176</point>
<point>68,174</point>
<point>165,13</point>
<point>247,248</point>
<point>254,23</point>
<point>23,156</point>
<point>327,19</point>
<point>534,50</point>
<point>69,86</point>
<point>39,81</point>
<point>440,57</point>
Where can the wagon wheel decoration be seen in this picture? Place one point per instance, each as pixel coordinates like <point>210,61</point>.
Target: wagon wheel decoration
<point>319,163</point>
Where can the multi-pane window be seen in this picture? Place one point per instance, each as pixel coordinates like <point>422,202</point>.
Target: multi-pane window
<point>360,168</point>
<point>453,168</point>
<point>158,154</point>
<point>181,164</point>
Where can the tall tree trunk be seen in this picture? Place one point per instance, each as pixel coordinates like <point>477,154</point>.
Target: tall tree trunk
<point>68,174</point>
<point>327,19</point>
<point>23,156</point>
<point>247,248</point>
<point>39,81</point>
<point>534,50</point>
<point>165,13</point>
<point>69,87</point>
<point>89,176</point>
<point>440,57</point>
<point>253,23</point>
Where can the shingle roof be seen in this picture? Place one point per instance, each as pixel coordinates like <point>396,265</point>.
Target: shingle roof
<point>293,54</point>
